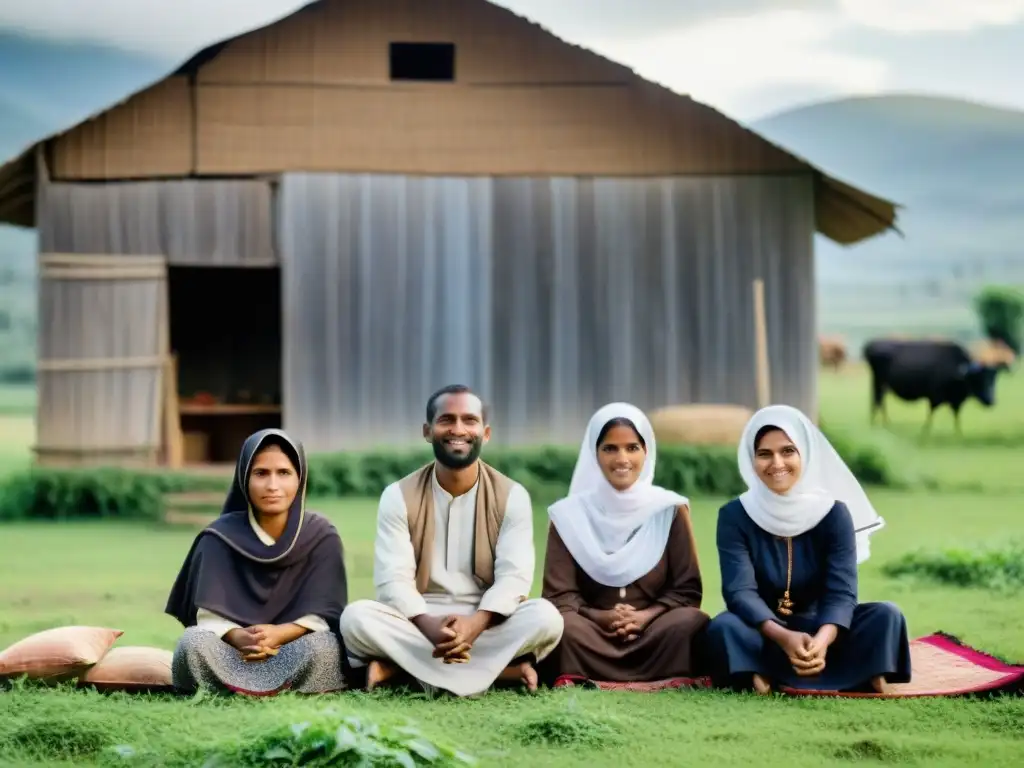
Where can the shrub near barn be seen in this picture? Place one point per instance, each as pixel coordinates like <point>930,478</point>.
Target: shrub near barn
<point>65,494</point>
<point>545,471</point>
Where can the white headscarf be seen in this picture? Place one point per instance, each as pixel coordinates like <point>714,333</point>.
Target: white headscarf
<point>615,536</point>
<point>824,479</point>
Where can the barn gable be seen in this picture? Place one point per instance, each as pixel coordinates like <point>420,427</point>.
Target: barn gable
<point>328,88</point>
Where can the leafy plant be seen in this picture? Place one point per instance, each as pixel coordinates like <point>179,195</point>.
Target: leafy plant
<point>994,569</point>
<point>61,494</point>
<point>1001,312</point>
<point>352,741</point>
<point>569,727</point>
<point>545,471</point>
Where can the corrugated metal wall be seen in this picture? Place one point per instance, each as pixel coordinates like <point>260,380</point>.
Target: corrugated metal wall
<point>551,296</point>
<point>191,222</point>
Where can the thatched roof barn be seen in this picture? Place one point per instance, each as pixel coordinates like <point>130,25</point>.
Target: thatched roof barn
<point>326,218</point>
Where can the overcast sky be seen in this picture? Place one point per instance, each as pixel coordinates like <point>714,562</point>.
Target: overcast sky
<point>745,57</point>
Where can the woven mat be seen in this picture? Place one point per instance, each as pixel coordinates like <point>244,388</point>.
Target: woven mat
<point>941,666</point>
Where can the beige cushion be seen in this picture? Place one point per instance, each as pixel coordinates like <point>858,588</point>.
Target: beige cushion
<point>131,666</point>
<point>57,653</point>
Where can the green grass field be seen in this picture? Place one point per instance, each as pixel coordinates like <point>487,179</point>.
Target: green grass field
<point>17,428</point>
<point>17,401</point>
<point>982,459</point>
<point>118,575</point>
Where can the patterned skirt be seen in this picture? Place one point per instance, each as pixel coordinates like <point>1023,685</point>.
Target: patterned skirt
<point>310,664</point>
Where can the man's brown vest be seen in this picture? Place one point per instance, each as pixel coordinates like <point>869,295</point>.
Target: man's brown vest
<point>491,497</point>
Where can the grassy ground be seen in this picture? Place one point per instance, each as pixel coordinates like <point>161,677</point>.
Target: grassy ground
<point>17,401</point>
<point>79,573</point>
<point>983,458</point>
<point>17,434</point>
<point>119,575</point>
<point>17,430</point>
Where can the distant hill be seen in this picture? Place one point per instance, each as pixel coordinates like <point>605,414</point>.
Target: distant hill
<point>47,85</point>
<point>20,124</point>
<point>956,166</point>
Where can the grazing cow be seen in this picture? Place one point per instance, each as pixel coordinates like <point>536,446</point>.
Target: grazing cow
<point>940,371</point>
<point>832,351</point>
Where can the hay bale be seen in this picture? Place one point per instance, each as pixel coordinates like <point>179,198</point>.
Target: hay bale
<point>911,337</point>
<point>993,352</point>
<point>700,424</point>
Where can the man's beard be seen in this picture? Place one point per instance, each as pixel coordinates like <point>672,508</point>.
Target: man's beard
<point>458,461</point>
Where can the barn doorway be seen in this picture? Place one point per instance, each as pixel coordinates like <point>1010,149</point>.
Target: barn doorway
<point>225,325</point>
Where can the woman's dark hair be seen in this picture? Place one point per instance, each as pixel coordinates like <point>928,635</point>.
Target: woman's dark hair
<point>620,421</point>
<point>286,447</point>
<point>764,431</point>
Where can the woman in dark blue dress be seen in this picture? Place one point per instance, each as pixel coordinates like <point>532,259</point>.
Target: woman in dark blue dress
<point>788,549</point>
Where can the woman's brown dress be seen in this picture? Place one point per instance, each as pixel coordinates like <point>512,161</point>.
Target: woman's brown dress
<point>663,649</point>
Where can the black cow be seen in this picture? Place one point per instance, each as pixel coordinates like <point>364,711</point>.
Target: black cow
<point>941,371</point>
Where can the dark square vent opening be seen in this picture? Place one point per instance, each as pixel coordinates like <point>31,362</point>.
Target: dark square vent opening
<point>432,62</point>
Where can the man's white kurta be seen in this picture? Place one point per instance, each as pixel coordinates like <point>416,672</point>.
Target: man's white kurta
<point>382,629</point>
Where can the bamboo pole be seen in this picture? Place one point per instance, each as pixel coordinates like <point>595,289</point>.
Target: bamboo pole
<point>173,438</point>
<point>161,384</point>
<point>762,371</point>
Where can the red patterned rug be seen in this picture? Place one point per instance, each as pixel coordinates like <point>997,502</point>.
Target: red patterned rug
<point>941,664</point>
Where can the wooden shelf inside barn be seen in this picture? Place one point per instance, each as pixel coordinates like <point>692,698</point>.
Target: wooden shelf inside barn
<point>208,430</point>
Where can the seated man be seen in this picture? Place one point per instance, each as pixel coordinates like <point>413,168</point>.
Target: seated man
<point>453,565</point>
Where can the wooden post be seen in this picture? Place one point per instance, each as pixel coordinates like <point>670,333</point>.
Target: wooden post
<point>762,375</point>
<point>174,451</point>
<point>164,344</point>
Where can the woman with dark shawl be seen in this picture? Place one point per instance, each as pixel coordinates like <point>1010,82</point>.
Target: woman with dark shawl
<point>621,561</point>
<point>788,550</point>
<point>262,589</point>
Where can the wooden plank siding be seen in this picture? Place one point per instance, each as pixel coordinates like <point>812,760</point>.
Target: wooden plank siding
<point>103,329</point>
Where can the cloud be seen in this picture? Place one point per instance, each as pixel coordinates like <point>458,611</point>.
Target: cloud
<point>164,28</point>
<point>746,57</point>
<point>929,16</point>
<point>582,19</point>
<point>745,65</point>
<point>177,28</point>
